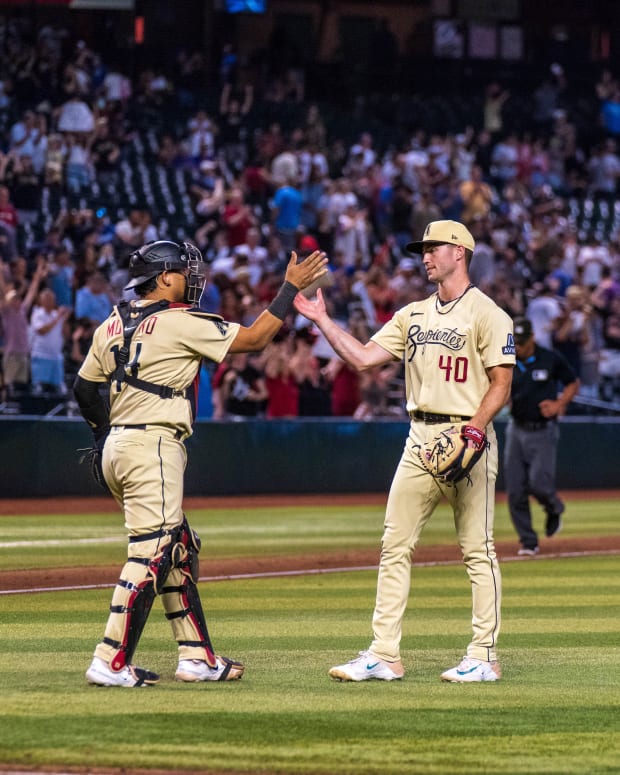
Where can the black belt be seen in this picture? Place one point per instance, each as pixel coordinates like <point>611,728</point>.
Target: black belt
<point>531,425</point>
<point>143,426</point>
<point>431,418</point>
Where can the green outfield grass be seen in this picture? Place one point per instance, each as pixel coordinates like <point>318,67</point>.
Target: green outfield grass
<point>98,539</point>
<point>555,711</point>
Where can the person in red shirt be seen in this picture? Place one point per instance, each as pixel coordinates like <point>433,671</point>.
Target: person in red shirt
<point>283,400</point>
<point>346,394</point>
<point>237,218</point>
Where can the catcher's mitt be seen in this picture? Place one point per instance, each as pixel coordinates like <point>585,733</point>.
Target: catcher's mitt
<point>92,457</point>
<point>451,455</point>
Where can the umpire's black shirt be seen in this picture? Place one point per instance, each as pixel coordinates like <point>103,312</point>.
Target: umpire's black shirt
<point>536,379</point>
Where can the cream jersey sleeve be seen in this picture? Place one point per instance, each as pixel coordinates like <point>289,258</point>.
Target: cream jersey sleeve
<point>447,349</point>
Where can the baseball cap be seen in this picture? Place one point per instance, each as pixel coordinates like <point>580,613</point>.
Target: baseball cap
<point>308,243</point>
<point>522,330</point>
<point>450,232</point>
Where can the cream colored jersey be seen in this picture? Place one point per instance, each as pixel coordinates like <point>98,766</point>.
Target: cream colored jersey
<point>447,349</point>
<point>166,349</point>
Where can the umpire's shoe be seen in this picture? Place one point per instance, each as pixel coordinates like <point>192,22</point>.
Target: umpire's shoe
<point>101,674</point>
<point>365,667</point>
<point>193,670</point>
<point>553,524</point>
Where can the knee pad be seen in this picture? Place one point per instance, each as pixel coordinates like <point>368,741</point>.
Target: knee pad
<point>185,551</point>
<point>181,552</point>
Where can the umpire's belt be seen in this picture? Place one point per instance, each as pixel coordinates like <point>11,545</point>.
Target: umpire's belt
<point>531,425</point>
<point>430,418</point>
<point>143,426</point>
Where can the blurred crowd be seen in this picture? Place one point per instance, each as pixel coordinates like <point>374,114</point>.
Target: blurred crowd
<point>266,171</point>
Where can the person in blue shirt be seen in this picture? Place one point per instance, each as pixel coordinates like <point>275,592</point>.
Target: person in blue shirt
<point>287,206</point>
<point>93,300</point>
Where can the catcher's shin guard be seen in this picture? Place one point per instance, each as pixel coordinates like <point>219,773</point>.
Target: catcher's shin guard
<point>135,610</point>
<point>188,621</point>
<point>182,601</point>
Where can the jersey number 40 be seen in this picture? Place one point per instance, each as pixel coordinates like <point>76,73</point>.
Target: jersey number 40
<point>454,368</point>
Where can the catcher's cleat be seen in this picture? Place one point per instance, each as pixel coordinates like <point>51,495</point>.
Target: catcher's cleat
<point>553,524</point>
<point>473,671</point>
<point>194,670</point>
<point>367,666</point>
<point>101,674</point>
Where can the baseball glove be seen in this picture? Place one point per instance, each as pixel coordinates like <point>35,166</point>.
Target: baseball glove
<point>451,455</point>
<point>92,457</point>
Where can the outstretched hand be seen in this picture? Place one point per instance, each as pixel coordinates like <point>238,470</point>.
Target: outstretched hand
<point>308,271</point>
<point>313,309</point>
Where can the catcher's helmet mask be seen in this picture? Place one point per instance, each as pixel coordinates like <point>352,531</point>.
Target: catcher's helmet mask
<point>166,256</point>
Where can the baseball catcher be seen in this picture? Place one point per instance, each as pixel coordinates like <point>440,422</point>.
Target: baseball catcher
<point>147,355</point>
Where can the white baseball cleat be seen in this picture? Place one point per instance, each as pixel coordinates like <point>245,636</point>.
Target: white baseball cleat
<point>367,666</point>
<point>473,671</point>
<point>194,670</point>
<point>101,674</point>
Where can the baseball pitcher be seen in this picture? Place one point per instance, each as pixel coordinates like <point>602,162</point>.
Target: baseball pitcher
<point>458,350</point>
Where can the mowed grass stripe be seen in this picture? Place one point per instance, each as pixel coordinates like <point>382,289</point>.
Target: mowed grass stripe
<point>555,711</point>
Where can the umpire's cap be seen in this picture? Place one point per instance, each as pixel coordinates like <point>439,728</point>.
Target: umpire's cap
<point>522,330</point>
<point>157,257</point>
<point>442,232</point>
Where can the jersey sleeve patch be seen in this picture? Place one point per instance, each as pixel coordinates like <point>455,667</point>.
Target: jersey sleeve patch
<point>219,322</point>
<point>509,347</point>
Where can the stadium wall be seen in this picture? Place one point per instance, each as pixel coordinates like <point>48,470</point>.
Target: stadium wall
<point>40,458</point>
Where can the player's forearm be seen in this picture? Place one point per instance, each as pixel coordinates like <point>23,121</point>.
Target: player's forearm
<point>256,337</point>
<point>346,346</point>
<point>93,407</point>
<point>496,397</point>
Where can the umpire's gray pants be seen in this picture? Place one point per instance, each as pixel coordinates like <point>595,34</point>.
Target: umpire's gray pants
<point>530,469</point>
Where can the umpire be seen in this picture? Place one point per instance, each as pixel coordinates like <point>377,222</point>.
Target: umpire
<point>532,434</point>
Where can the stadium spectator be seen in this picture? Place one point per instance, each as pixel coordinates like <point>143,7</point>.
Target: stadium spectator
<point>239,388</point>
<point>9,221</point>
<point>237,217</point>
<point>94,300</point>
<point>47,344</point>
<point>282,388</point>
<point>286,211</point>
<point>14,314</point>
<point>543,309</point>
<point>314,392</point>
<point>75,117</point>
<point>61,274</point>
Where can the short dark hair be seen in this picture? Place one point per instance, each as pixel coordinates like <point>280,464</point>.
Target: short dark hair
<point>146,287</point>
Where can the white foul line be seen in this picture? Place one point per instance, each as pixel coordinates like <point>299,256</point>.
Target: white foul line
<point>319,571</point>
<point>61,542</point>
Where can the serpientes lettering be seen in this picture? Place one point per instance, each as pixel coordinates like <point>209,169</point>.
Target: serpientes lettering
<point>449,338</point>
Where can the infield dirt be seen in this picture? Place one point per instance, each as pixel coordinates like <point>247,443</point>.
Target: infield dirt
<point>41,579</point>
